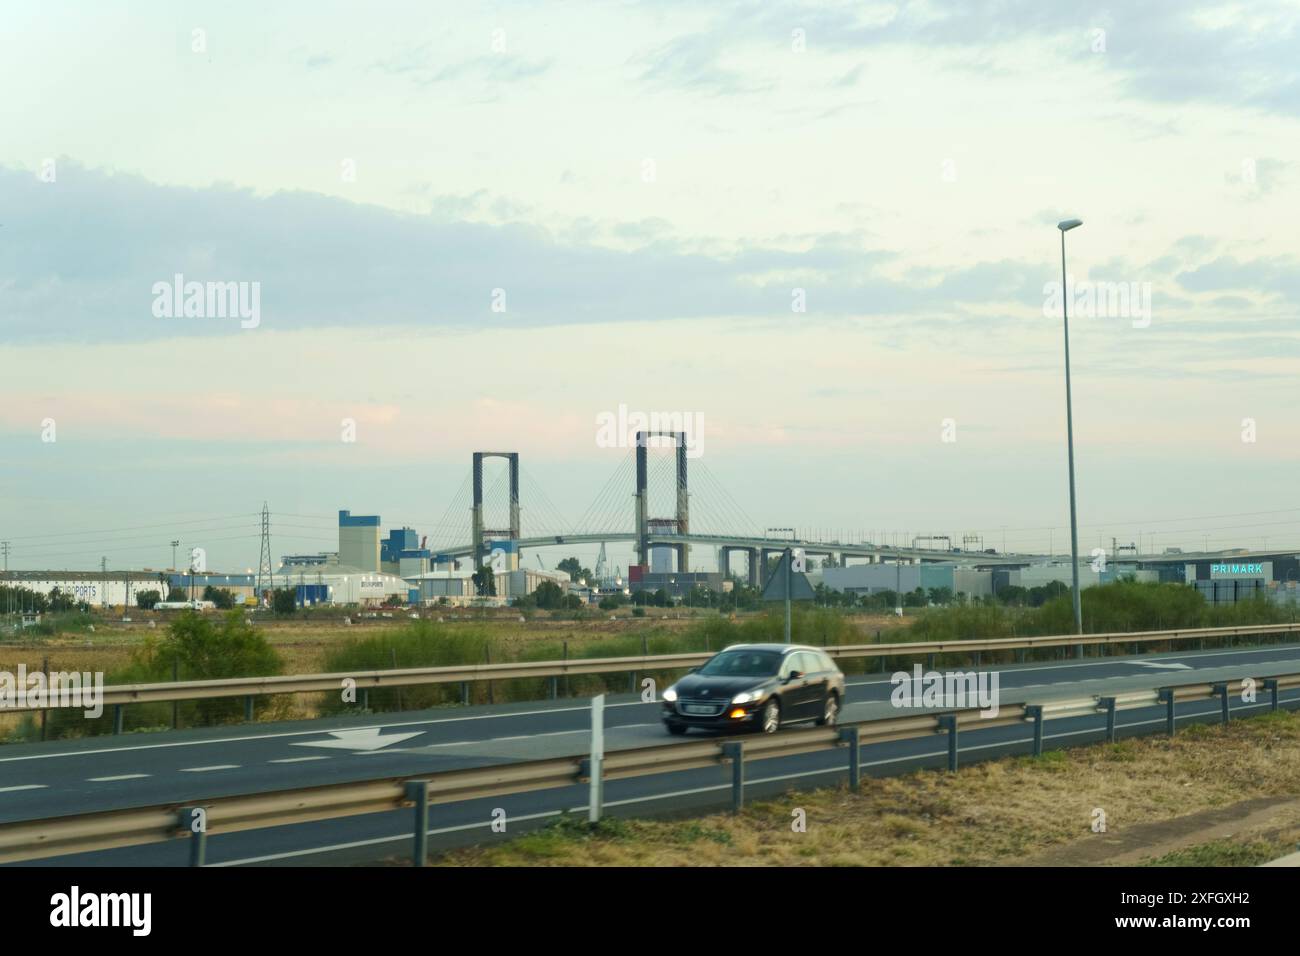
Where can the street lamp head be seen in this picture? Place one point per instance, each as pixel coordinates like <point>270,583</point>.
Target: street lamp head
<point>1065,225</point>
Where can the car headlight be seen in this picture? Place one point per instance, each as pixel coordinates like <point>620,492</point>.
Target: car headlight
<point>748,697</point>
<point>670,695</point>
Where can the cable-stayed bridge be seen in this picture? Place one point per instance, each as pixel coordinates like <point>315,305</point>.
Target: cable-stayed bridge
<point>653,501</point>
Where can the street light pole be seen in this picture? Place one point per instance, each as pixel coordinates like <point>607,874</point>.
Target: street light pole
<point>1065,226</point>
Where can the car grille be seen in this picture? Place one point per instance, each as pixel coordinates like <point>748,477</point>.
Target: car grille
<point>701,708</point>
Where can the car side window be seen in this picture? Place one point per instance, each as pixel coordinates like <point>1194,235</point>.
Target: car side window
<point>809,663</point>
<point>827,663</point>
<point>791,663</point>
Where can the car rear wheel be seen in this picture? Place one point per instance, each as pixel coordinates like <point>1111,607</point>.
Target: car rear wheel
<point>831,711</point>
<point>771,717</point>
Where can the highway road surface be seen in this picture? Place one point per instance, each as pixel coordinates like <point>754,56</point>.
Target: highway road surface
<point>68,777</point>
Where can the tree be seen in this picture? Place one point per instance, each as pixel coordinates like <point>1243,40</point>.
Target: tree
<point>223,598</point>
<point>177,594</point>
<point>549,596</point>
<point>1012,594</point>
<point>284,601</point>
<point>485,581</point>
<point>940,596</point>
<point>197,649</point>
<point>59,601</point>
<point>147,599</point>
<point>575,569</point>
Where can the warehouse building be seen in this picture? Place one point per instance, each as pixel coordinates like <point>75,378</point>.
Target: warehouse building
<point>875,578</point>
<point>96,588</point>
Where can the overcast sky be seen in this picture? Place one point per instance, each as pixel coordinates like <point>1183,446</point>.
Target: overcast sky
<point>824,232</point>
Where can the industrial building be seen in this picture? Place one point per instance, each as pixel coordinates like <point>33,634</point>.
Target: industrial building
<point>676,584</point>
<point>359,541</point>
<point>458,586</point>
<point>905,578</point>
<point>96,588</point>
<point>403,555</point>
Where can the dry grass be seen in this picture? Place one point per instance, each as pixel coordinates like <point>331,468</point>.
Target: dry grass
<point>1003,812</point>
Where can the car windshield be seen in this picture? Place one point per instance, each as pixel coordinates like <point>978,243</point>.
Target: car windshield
<point>742,664</point>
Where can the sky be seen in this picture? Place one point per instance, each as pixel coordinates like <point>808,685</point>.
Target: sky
<point>823,234</point>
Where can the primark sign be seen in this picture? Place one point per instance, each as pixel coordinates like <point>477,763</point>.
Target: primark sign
<point>1243,569</point>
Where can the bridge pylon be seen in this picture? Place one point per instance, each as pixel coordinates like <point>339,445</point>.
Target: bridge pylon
<point>681,519</point>
<point>479,532</point>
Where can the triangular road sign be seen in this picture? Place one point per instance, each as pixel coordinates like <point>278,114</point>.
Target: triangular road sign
<point>800,589</point>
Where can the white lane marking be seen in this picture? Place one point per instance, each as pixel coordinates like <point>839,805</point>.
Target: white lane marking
<point>362,739</point>
<point>26,786</point>
<point>664,796</point>
<point>120,776</point>
<point>219,766</point>
<point>312,733</point>
<point>297,759</point>
<point>1162,666</point>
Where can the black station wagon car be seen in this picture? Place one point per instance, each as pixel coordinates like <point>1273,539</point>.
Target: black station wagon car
<point>756,687</point>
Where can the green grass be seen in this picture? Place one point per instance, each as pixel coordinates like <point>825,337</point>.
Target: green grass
<point>1223,853</point>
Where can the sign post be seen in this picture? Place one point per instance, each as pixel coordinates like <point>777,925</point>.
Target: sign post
<point>596,795</point>
<point>789,583</point>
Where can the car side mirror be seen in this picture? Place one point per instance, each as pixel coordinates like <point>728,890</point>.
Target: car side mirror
<point>793,675</point>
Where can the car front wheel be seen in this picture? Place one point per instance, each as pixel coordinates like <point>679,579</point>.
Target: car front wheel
<point>771,721</point>
<point>676,729</point>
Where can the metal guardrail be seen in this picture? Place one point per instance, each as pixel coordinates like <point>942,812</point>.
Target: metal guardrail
<point>84,833</point>
<point>251,687</point>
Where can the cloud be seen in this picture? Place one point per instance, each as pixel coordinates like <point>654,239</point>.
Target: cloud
<point>83,255</point>
<point>1171,51</point>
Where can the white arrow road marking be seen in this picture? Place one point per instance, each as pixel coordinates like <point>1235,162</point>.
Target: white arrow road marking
<point>1167,667</point>
<point>364,738</point>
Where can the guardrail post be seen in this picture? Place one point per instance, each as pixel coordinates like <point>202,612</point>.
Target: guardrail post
<point>929,662</point>
<point>45,667</point>
<point>417,791</point>
<point>1270,684</point>
<point>117,718</point>
<point>1109,704</point>
<point>850,736</point>
<point>977,658</point>
<point>1020,655</point>
<point>198,838</point>
<point>1035,712</point>
<point>365,698</point>
<point>596,766</point>
<point>948,722</point>
<point>631,684</point>
<point>248,707</point>
<point>176,704</point>
<point>555,687</point>
<point>1166,697</point>
<point>735,751</point>
<point>464,693</point>
<point>1222,691</point>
